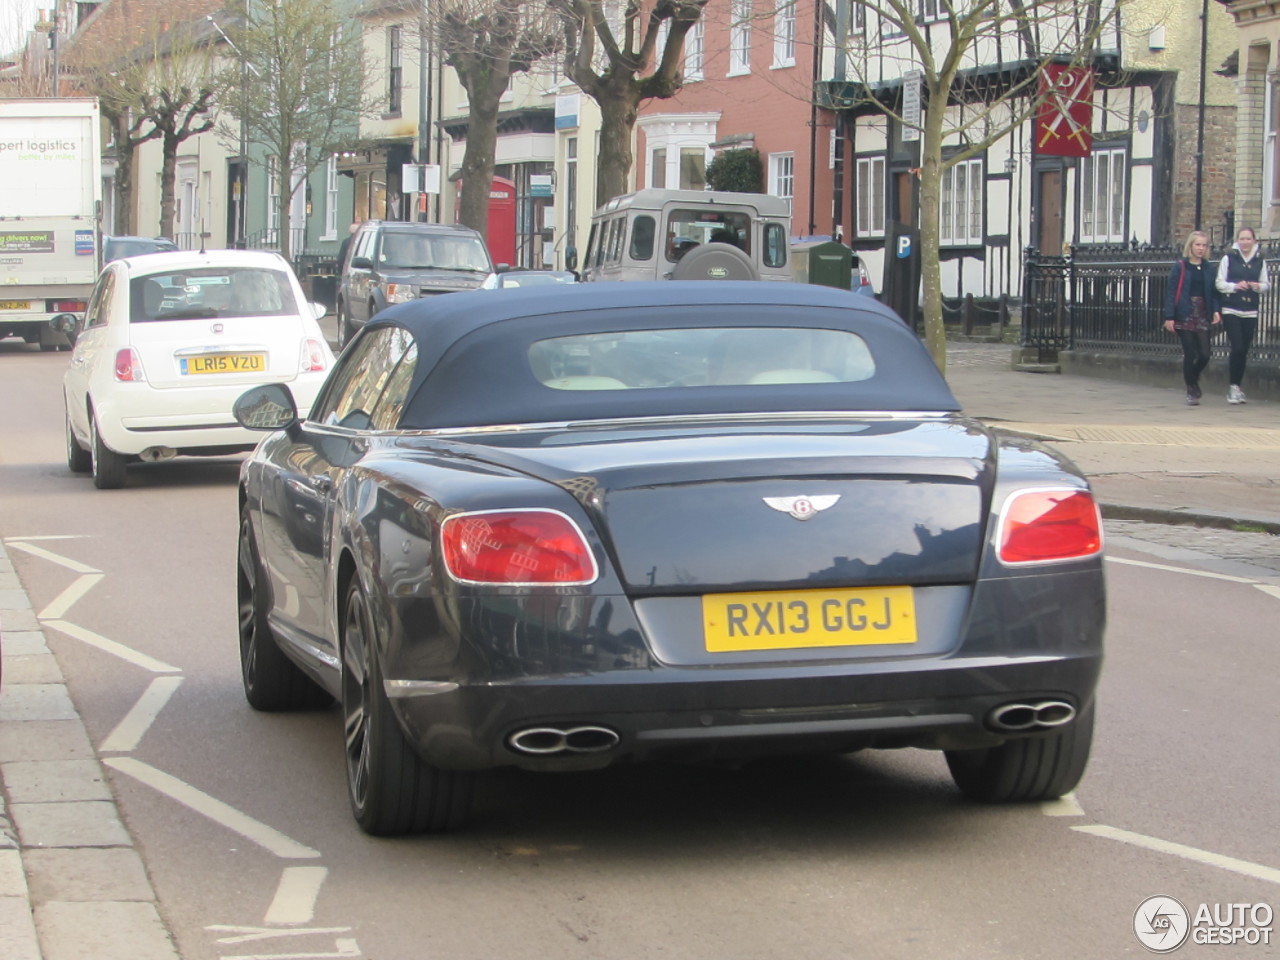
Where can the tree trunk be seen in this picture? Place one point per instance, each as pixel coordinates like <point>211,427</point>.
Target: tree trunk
<point>935,335</point>
<point>168,168</point>
<point>618,110</point>
<point>477,163</point>
<point>123,225</point>
<point>284,185</point>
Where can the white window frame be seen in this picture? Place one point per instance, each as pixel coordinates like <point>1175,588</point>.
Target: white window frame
<point>693,52</point>
<point>273,199</point>
<point>331,199</point>
<point>869,187</point>
<point>675,133</point>
<point>961,208</point>
<point>1102,195</point>
<point>1269,196</point>
<point>784,34</point>
<point>740,38</point>
<point>782,175</point>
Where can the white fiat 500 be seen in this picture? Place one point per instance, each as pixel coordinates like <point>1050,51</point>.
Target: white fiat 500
<point>168,342</point>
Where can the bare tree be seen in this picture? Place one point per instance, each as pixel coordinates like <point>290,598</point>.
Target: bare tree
<point>298,91</point>
<point>487,42</point>
<point>962,106</point>
<point>614,69</point>
<point>153,83</point>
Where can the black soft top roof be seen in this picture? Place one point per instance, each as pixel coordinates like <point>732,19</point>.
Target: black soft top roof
<point>473,351</point>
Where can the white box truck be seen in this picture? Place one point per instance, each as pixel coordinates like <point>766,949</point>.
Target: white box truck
<point>50,204</point>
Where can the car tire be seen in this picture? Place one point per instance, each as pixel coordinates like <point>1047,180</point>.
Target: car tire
<point>79,460</point>
<point>393,791</point>
<point>272,682</point>
<point>106,465</point>
<point>1028,769</point>
<point>344,325</point>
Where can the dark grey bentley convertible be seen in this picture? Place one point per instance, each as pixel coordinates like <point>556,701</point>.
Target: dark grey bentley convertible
<point>559,528</point>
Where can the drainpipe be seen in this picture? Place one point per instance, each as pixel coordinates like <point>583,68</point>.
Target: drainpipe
<point>1204,55</point>
<point>813,117</point>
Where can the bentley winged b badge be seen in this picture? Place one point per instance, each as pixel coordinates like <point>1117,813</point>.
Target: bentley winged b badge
<point>802,508</point>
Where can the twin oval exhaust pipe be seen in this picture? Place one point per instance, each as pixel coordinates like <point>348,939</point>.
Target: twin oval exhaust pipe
<point>1022,717</point>
<point>548,741</point>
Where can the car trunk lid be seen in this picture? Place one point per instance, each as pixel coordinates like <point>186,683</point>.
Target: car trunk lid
<point>208,352</point>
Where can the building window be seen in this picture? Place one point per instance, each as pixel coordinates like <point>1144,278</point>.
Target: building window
<point>273,200</point>
<point>926,11</point>
<point>658,168</point>
<point>740,38</point>
<point>395,69</point>
<point>784,34</point>
<point>1102,197</point>
<point>693,168</point>
<point>782,175</point>
<point>961,216</point>
<point>870,193</point>
<point>1270,192</point>
<point>693,52</point>
<point>331,200</point>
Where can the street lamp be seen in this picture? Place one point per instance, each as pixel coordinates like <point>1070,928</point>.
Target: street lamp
<point>243,160</point>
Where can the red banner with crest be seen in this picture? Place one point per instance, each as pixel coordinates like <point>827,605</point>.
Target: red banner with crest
<point>1064,122</point>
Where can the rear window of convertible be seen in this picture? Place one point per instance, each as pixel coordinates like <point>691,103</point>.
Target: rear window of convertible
<point>693,357</point>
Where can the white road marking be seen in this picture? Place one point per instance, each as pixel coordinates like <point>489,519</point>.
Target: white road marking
<point>130,731</point>
<point>61,561</point>
<point>1269,589</point>
<point>68,597</point>
<point>110,646</point>
<point>247,934</point>
<point>221,813</point>
<point>343,948</point>
<point>1064,806</point>
<point>295,900</point>
<point>1195,573</point>
<point>1255,870</point>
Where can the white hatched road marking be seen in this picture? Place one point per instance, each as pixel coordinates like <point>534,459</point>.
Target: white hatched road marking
<point>1255,870</point>
<point>74,565</point>
<point>1267,588</point>
<point>249,934</point>
<point>221,813</point>
<point>110,646</point>
<point>68,597</point>
<point>295,899</point>
<point>130,731</point>
<point>1065,806</point>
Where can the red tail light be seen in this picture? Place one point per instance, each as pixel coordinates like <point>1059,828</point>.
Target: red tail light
<point>1040,526</point>
<point>516,547</point>
<point>311,359</point>
<point>67,306</point>
<point>128,366</point>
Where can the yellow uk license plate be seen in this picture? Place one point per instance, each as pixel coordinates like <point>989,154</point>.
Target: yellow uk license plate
<point>225,363</point>
<point>785,620</point>
<point>15,304</point>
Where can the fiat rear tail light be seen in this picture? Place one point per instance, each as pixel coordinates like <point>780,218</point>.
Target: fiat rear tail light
<point>311,358</point>
<point>1042,526</point>
<point>516,547</point>
<point>128,366</point>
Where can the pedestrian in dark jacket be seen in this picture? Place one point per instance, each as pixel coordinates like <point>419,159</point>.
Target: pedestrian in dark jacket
<point>1242,279</point>
<point>1191,310</point>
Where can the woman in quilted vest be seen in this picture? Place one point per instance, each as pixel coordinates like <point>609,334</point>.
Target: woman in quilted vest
<point>1242,279</point>
<point>1191,310</point>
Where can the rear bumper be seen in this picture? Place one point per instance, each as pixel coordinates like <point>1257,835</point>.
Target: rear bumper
<point>666,712</point>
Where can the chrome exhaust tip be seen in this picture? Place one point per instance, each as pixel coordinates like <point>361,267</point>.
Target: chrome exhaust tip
<point>549,741</point>
<point>1021,717</point>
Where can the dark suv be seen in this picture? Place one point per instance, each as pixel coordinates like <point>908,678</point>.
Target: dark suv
<point>393,262</point>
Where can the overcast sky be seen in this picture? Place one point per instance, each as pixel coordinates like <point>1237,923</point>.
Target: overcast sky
<point>16,18</point>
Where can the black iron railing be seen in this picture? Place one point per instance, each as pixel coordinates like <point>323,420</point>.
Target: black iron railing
<point>1111,300</point>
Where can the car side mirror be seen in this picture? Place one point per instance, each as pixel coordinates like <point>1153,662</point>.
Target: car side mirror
<point>267,407</point>
<point>502,268</point>
<point>571,258</point>
<point>318,310</point>
<point>68,324</point>
<point>361,263</point>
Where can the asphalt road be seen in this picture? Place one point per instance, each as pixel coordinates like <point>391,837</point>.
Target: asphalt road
<point>870,855</point>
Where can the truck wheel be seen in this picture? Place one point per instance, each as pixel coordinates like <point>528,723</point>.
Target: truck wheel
<point>107,465</point>
<point>79,460</point>
<point>1026,770</point>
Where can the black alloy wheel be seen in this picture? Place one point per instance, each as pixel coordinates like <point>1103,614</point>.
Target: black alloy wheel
<point>393,791</point>
<point>272,682</point>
